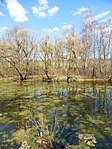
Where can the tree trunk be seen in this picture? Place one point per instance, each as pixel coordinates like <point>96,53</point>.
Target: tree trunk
<point>21,76</point>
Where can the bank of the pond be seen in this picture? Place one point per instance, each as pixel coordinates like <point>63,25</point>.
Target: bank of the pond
<point>60,78</point>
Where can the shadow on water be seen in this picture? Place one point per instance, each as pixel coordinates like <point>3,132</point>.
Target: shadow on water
<point>55,113</point>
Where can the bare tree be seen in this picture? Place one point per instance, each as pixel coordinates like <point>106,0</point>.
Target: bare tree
<point>18,47</point>
<point>46,54</point>
<point>73,48</point>
<point>104,35</point>
<point>58,56</point>
<point>96,39</point>
<point>86,36</point>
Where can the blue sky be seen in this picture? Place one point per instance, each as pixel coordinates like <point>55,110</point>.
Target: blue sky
<point>51,15</point>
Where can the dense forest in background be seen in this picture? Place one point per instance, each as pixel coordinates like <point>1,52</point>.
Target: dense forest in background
<point>89,53</point>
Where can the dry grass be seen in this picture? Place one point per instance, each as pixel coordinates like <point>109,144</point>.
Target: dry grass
<point>58,78</point>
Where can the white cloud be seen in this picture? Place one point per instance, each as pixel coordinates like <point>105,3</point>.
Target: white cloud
<point>52,11</point>
<point>55,29</point>
<point>49,30</point>
<point>80,11</point>
<point>16,10</point>
<point>43,11</point>
<point>64,23</point>
<point>43,2</point>
<point>1,14</point>
<point>107,20</point>
<point>3,28</point>
<point>67,27</point>
<point>44,7</point>
<point>97,17</point>
<point>44,29</point>
<point>37,12</point>
<point>101,15</point>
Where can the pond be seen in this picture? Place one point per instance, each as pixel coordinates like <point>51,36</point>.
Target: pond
<point>57,112</point>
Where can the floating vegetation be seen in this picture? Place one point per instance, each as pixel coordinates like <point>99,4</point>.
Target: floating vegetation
<point>88,138</point>
<point>55,114</point>
<point>24,145</point>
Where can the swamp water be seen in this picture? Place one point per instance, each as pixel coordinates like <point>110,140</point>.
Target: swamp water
<point>56,111</point>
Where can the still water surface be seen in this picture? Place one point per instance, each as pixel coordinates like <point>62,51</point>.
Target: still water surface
<point>59,111</point>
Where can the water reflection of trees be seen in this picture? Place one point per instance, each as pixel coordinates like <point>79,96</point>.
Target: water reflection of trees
<point>57,114</point>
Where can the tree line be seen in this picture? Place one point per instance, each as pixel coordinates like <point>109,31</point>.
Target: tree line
<point>88,53</point>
